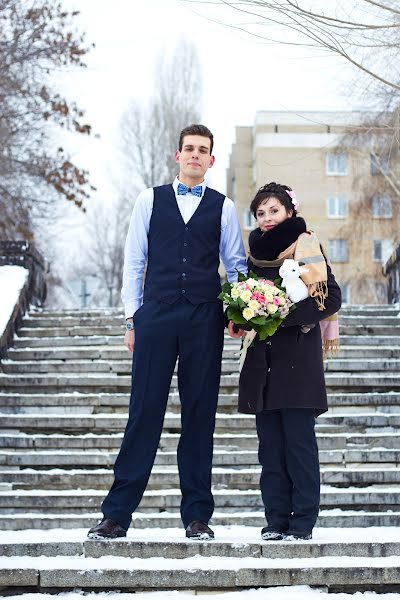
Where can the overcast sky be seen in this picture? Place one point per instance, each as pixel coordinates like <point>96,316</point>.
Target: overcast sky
<point>240,74</point>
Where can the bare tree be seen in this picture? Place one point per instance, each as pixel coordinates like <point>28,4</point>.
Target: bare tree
<point>149,134</point>
<point>37,38</point>
<point>366,33</point>
<point>374,209</point>
<point>148,140</point>
<point>107,229</point>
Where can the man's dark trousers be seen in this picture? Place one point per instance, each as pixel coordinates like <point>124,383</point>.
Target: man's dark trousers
<point>162,333</point>
<point>290,478</point>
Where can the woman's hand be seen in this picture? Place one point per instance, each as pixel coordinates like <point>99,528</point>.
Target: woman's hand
<point>307,328</point>
<point>237,333</point>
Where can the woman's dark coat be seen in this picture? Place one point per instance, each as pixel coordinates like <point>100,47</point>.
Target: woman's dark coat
<point>286,370</point>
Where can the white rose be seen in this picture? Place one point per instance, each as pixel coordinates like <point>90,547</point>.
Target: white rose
<point>248,313</point>
<point>254,305</point>
<point>245,296</point>
<point>252,282</point>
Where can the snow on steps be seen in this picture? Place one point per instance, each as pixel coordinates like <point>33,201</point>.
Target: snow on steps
<point>163,559</point>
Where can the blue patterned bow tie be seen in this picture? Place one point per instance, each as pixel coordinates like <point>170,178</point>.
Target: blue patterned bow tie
<point>183,189</point>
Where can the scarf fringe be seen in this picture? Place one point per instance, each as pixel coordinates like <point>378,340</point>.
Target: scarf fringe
<point>319,291</point>
<point>330,348</point>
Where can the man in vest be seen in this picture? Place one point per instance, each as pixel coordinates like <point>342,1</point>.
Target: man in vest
<point>179,231</point>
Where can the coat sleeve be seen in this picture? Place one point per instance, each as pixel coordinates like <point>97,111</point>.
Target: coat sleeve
<point>307,311</point>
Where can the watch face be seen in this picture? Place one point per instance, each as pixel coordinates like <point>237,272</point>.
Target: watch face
<point>129,326</point>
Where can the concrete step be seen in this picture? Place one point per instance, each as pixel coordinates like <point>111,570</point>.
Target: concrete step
<point>195,573</point>
<point>105,353</point>
<point>222,457</point>
<point>12,401</point>
<point>371,327</point>
<point>93,382</point>
<point>77,330</point>
<point>63,341</point>
<point>163,520</point>
<point>230,541</point>
<point>376,498</point>
<point>67,321</point>
<point>119,367</point>
<point>119,353</point>
<point>224,422</point>
<point>124,367</point>
<point>167,477</point>
<point>367,320</point>
<point>118,310</point>
<point>114,341</point>
<point>64,325</point>
<point>169,441</point>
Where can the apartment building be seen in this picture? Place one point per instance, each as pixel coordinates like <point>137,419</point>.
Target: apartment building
<point>343,176</point>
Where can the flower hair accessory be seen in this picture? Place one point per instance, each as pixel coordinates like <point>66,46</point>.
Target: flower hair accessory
<point>295,202</point>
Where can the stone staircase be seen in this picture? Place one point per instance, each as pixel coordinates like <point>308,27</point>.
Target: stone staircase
<point>64,392</point>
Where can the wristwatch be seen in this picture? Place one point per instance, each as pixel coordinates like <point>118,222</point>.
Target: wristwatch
<point>130,326</point>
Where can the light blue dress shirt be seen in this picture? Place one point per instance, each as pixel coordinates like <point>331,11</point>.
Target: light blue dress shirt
<point>136,247</point>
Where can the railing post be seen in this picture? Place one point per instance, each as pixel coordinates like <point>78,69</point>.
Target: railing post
<point>23,254</point>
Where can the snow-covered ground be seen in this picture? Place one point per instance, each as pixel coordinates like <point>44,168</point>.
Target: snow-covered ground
<point>12,280</point>
<point>234,535</point>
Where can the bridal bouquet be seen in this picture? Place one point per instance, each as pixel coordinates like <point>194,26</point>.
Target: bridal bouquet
<point>259,303</point>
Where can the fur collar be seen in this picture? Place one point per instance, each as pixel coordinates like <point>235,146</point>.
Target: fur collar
<point>266,245</point>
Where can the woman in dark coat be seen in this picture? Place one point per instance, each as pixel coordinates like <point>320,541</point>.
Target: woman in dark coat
<point>282,379</point>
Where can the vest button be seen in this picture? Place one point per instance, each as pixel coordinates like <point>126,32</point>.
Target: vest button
<point>185,244</point>
<point>183,291</point>
<point>183,274</point>
<point>186,228</point>
<point>183,259</point>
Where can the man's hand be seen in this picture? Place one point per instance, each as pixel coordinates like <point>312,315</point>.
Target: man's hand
<point>240,333</point>
<point>129,339</point>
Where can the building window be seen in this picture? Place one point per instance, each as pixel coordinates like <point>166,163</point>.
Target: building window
<point>338,251</point>
<point>337,207</point>
<point>248,219</point>
<point>345,289</point>
<point>380,165</point>
<point>336,163</point>
<point>382,207</point>
<point>382,250</point>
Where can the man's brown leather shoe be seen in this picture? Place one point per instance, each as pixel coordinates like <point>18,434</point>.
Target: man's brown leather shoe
<point>197,530</point>
<point>107,529</point>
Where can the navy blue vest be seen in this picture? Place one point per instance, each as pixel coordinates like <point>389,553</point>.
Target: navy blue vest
<point>183,259</point>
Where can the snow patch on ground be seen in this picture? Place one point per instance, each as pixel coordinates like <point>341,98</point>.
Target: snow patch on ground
<point>12,280</point>
<point>192,563</point>
<point>238,534</point>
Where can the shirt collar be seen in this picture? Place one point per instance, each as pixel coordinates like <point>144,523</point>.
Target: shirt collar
<point>177,182</point>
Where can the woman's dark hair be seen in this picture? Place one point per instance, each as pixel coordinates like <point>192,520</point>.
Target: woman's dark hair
<point>275,190</point>
<point>196,129</point>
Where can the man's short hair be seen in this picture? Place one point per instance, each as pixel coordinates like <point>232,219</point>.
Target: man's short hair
<point>196,129</point>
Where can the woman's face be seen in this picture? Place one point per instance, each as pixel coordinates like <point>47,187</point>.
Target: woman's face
<point>270,213</point>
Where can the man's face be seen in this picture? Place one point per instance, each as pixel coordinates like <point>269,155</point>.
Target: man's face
<point>195,159</point>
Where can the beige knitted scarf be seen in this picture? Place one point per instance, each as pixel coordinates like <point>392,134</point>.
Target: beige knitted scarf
<point>307,250</point>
